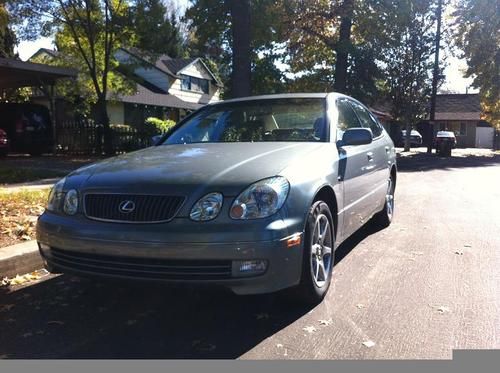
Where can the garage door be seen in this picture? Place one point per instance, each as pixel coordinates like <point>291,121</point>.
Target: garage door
<point>484,137</point>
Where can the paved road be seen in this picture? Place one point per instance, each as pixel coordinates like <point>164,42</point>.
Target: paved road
<point>425,286</point>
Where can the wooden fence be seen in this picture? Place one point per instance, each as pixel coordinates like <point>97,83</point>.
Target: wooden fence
<point>85,137</point>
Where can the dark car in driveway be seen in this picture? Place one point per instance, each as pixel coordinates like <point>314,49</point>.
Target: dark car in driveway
<point>415,138</point>
<point>254,194</point>
<point>28,127</point>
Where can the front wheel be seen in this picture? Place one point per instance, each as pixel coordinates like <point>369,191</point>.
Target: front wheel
<point>384,218</point>
<point>319,254</point>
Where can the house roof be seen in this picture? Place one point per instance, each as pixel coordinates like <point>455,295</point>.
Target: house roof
<point>458,103</point>
<point>16,74</point>
<point>458,107</point>
<point>144,96</point>
<point>177,64</point>
<point>170,66</point>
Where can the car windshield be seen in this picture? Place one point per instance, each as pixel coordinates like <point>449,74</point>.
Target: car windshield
<point>297,119</point>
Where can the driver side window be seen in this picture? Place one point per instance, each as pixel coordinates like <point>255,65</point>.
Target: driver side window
<point>347,117</point>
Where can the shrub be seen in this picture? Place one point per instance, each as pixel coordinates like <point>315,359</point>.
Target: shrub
<point>159,126</point>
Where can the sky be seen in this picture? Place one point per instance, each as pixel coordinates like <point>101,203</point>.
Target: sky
<point>454,71</point>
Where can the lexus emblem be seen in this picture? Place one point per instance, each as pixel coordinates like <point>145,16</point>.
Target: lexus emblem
<point>126,207</point>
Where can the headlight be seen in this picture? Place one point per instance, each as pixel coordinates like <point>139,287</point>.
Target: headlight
<point>207,207</point>
<point>56,195</point>
<point>261,199</point>
<point>71,202</point>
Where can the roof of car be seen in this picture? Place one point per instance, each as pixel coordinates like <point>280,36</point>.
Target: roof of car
<point>445,134</point>
<point>278,96</point>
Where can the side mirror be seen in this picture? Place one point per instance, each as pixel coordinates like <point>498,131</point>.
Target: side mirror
<point>357,136</point>
<point>156,139</point>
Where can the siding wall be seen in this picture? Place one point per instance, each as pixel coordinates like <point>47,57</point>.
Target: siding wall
<point>116,113</point>
<point>198,71</point>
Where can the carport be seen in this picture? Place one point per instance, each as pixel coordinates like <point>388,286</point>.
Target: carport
<point>19,74</point>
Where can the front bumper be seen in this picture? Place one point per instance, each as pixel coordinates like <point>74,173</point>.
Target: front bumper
<point>166,252</point>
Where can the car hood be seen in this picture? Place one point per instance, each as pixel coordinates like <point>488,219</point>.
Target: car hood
<point>184,168</point>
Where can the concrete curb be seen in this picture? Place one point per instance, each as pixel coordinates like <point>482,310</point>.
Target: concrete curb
<point>34,185</point>
<point>19,259</point>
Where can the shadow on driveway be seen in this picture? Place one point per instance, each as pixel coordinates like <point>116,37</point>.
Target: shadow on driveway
<point>427,162</point>
<point>71,317</point>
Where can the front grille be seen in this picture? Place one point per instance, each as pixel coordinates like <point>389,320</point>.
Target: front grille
<point>145,268</point>
<point>147,208</point>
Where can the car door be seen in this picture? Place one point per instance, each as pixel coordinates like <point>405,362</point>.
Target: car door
<point>378,157</point>
<point>355,171</point>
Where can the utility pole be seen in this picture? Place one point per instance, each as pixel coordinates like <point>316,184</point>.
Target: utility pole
<point>435,76</point>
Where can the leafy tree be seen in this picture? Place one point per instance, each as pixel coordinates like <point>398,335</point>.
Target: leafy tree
<point>344,37</point>
<point>87,32</point>
<point>156,29</point>
<point>211,36</point>
<point>478,36</point>
<point>7,36</point>
<point>408,60</point>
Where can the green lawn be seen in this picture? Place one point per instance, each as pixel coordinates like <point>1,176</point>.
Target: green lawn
<point>22,175</point>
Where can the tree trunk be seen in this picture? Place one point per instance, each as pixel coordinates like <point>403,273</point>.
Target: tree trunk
<point>407,137</point>
<point>343,47</point>
<point>240,28</point>
<point>103,119</point>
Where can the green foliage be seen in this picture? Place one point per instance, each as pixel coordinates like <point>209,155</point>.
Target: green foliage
<point>210,37</point>
<point>158,126</point>
<point>156,29</point>
<point>408,60</point>
<point>7,36</point>
<point>478,36</point>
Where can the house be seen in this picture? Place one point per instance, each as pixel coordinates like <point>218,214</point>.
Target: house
<point>168,88</point>
<point>461,113</point>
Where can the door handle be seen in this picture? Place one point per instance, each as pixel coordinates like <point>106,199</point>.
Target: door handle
<point>387,149</point>
<point>370,156</point>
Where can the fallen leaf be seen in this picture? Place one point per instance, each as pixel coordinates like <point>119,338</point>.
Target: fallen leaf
<point>459,252</point>
<point>55,322</point>
<point>6,307</point>
<point>279,345</point>
<point>262,316</point>
<point>443,309</point>
<point>203,346</point>
<point>467,245</point>
<point>309,329</point>
<point>369,343</point>
<point>325,322</point>
<point>360,305</point>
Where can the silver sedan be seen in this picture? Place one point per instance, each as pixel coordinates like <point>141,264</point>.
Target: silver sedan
<point>254,194</point>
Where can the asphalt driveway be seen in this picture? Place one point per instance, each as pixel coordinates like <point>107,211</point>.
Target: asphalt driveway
<point>425,286</point>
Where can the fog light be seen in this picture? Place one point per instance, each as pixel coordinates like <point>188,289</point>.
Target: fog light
<point>249,267</point>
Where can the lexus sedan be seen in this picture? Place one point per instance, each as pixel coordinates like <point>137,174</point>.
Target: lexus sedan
<point>254,194</point>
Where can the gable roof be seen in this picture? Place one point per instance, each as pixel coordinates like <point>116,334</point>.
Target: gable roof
<point>177,64</point>
<point>145,96</point>
<point>458,103</point>
<point>458,107</point>
<point>170,66</point>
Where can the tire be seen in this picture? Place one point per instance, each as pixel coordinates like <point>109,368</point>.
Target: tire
<point>317,262</point>
<point>384,217</point>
